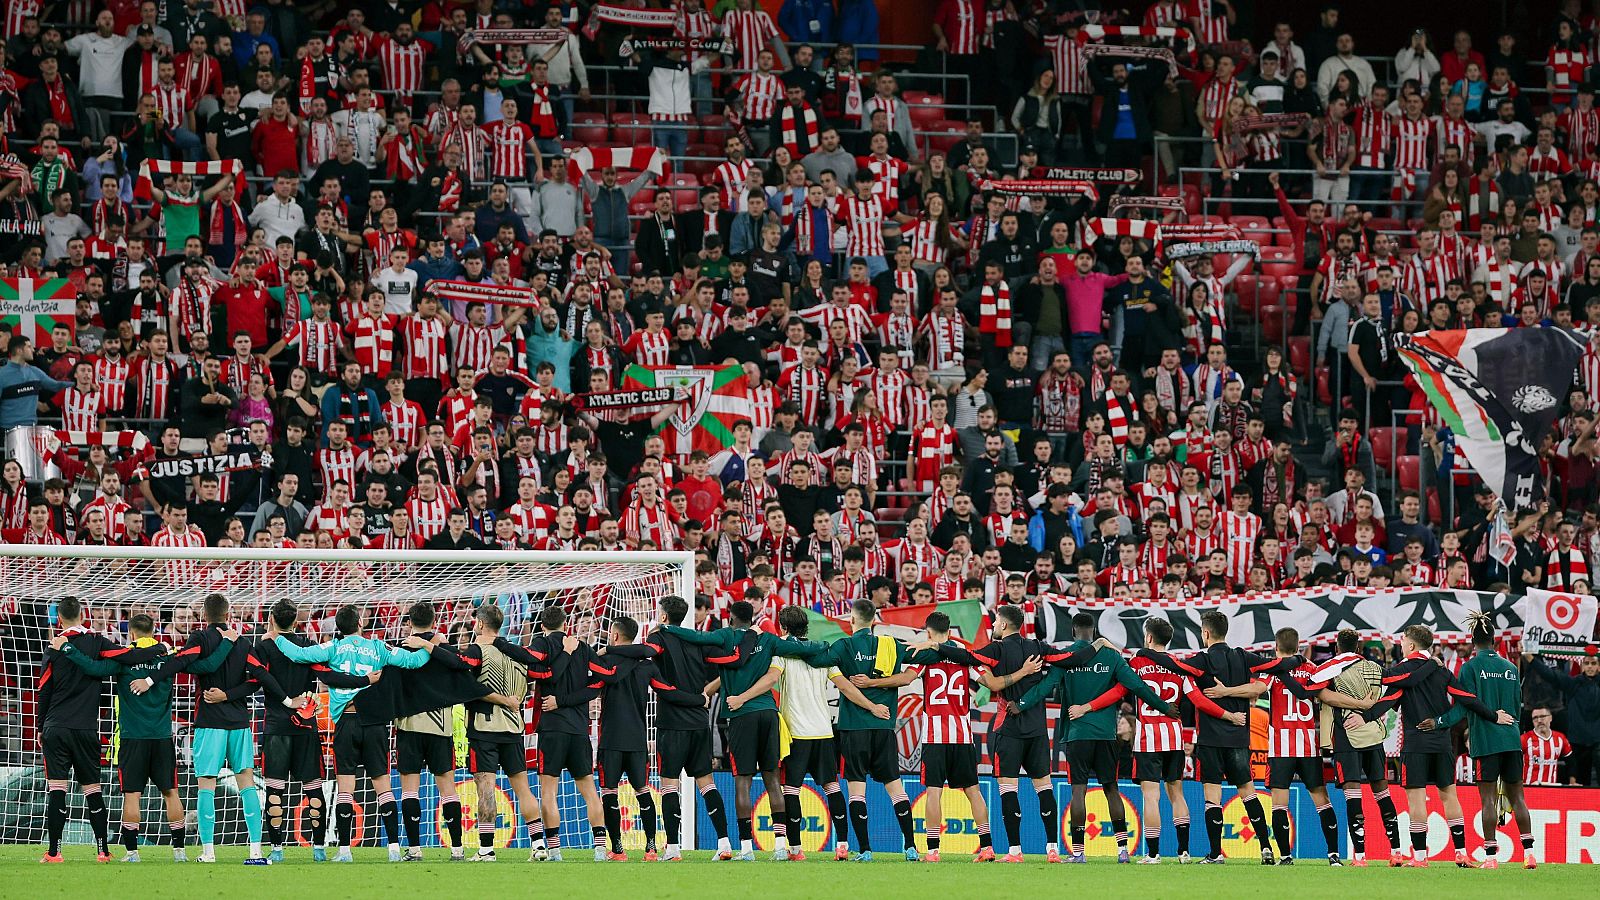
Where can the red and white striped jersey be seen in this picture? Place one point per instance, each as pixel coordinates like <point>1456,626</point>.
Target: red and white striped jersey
<point>730,177</point>
<point>780,464</point>
<point>1458,133</point>
<point>890,388</point>
<point>1540,756</point>
<point>1215,95</point>
<point>961,21</point>
<point>652,523</point>
<point>863,221</point>
<point>946,704</point>
<point>648,349</point>
<point>318,343</point>
<point>1293,733</point>
<point>1154,732</point>
<point>401,64</point>
<point>329,518</point>
<point>1128,575</point>
<point>1582,128</point>
<point>172,101</point>
<point>508,145</point>
<point>929,559</point>
<point>111,380</point>
<point>1198,546</point>
<point>474,344</point>
<point>428,518</point>
<point>1070,63</point>
<point>853,316</point>
<point>344,464</point>
<point>81,411</point>
<point>886,187</point>
<point>181,571</point>
<point>1209,28</point>
<point>152,385</point>
<point>751,32</point>
<point>924,240</point>
<point>760,92</point>
<point>694,25</point>
<point>531,521</point>
<point>16,12</point>
<point>426,347</point>
<point>807,390</point>
<point>863,463</point>
<point>1589,363</point>
<point>552,440</point>
<point>1554,269</point>
<point>405,421</point>
<point>1424,277</point>
<point>1240,532</point>
<point>1411,142</point>
<point>1375,137</point>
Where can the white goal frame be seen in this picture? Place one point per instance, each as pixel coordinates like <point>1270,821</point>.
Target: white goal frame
<point>684,562</point>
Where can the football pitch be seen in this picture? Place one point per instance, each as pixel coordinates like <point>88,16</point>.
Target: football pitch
<point>888,876</point>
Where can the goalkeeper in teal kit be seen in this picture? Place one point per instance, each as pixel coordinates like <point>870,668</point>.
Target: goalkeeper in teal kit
<point>357,746</point>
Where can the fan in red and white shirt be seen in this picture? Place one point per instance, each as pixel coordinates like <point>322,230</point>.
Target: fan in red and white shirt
<point>647,518</point>
<point>1542,752</point>
<point>83,403</point>
<point>428,507</point>
<point>318,339</point>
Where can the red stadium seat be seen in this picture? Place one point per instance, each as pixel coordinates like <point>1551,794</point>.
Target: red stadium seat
<point>946,133</point>
<point>1272,324</point>
<point>1409,468</point>
<point>924,118</point>
<point>1387,441</point>
<point>684,200</point>
<point>1278,261</point>
<point>591,128</point>
<point>1434,514</point>
<point>1324,395</point>
<point>1267,290</point>
<point>891,520</point>
<point>1300,357</point>
<point>630,128</point>
<point>1246,223</point>
<point>681,180</point>
<point>641,204</point>
<point>1245,289</point>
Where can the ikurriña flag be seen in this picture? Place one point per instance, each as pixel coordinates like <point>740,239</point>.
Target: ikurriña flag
<point>1498,390</point>
<point>718,396</point>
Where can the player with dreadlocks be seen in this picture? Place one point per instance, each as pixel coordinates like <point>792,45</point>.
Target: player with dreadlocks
<point>1495,748</point>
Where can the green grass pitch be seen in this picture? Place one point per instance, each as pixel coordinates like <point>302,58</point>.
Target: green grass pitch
<point>819,876</point>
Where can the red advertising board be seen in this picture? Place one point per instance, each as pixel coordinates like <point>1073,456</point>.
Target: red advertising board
<point>1566,826</point>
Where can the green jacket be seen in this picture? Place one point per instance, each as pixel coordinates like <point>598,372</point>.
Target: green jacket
<point>1495,681</point>
<point>1085,684</point>
<point>146,716</point>
<point>747,656</point>
<point>857,654</point>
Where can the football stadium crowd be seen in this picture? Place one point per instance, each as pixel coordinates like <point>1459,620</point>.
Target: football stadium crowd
<point>1075,303</point>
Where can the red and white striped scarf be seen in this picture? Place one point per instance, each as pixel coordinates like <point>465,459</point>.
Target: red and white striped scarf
<point>1117,419</point>
<point>543,115</point>
<point>791,138</point>
<point>994,313</point>
<point>219,211</point>
<point>141,188</point>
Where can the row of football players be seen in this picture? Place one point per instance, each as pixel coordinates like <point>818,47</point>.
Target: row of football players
<point>688,670</point>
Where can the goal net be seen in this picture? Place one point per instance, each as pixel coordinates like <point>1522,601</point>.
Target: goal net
<point>169,585</point>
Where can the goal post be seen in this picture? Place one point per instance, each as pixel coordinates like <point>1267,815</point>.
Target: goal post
<point>169,584</point>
